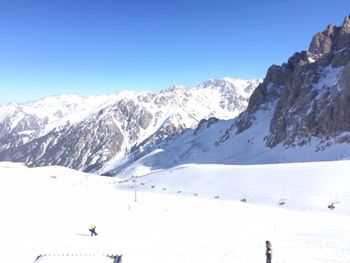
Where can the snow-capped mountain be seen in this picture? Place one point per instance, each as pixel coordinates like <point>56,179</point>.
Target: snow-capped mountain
<point>300,112</point>
<point>85,133</point>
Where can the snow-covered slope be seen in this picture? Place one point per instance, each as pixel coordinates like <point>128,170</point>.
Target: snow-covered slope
<point>84,133</point>
<point>301,186</point>
<point>183,214</point>
<point>217,142</point>
<point>300,112</point>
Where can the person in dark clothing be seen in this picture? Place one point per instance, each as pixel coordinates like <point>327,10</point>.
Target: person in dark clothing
<point>268,252</point>
<point>93,230</point>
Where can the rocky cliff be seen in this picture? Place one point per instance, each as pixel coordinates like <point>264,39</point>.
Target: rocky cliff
<point>309,95</point>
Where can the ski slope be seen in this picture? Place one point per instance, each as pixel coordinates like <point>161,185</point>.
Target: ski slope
<point>191,213</point>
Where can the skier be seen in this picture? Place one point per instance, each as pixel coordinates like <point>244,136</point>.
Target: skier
<point>268,251</point>
<point>93,230</point>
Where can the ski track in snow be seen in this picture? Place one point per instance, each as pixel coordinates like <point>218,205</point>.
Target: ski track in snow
<point>49,210</point>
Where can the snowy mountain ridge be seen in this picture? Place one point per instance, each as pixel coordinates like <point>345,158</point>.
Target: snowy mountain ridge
<point>83,133</point>
<point>299,113</point>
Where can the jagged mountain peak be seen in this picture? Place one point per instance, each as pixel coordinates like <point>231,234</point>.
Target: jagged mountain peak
<point>175,88</point>
<point>308,93</point>
<point>332,39</point>
<point>228,81</point>
<point>345,27</point>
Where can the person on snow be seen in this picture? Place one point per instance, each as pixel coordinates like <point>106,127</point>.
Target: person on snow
<point>268,252</point>
<point>93,230</point>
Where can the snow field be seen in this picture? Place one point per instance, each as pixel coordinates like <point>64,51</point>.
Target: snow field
<point>49,210</point>
<point>302,186</point>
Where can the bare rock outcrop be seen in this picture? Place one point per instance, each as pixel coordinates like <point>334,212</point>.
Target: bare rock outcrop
<point>310,93</point>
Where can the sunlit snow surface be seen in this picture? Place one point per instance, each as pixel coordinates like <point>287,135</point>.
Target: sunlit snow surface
<point>191,213</point>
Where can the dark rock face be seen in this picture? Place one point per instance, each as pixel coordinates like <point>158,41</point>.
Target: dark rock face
<point>85,145</point>
<point>322,43</point>
<point>331,40</point>
<point>204,124</point>
<point>16,136</point>
<point>310,93</point>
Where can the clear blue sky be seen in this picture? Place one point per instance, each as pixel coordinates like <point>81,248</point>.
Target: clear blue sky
<point>102,46</point>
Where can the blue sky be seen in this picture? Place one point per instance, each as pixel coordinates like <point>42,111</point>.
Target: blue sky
<point>102,46</point>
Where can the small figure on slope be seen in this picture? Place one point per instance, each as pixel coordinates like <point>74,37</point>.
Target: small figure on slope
<point>268,252</point>
<point>93,230</point>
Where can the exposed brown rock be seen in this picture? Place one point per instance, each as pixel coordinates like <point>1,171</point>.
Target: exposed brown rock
<point>311,92</point>
<point>322,42</point>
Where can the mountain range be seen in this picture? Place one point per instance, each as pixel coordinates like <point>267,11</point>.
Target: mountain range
<point>299,112</point>
<point>85,133</point>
